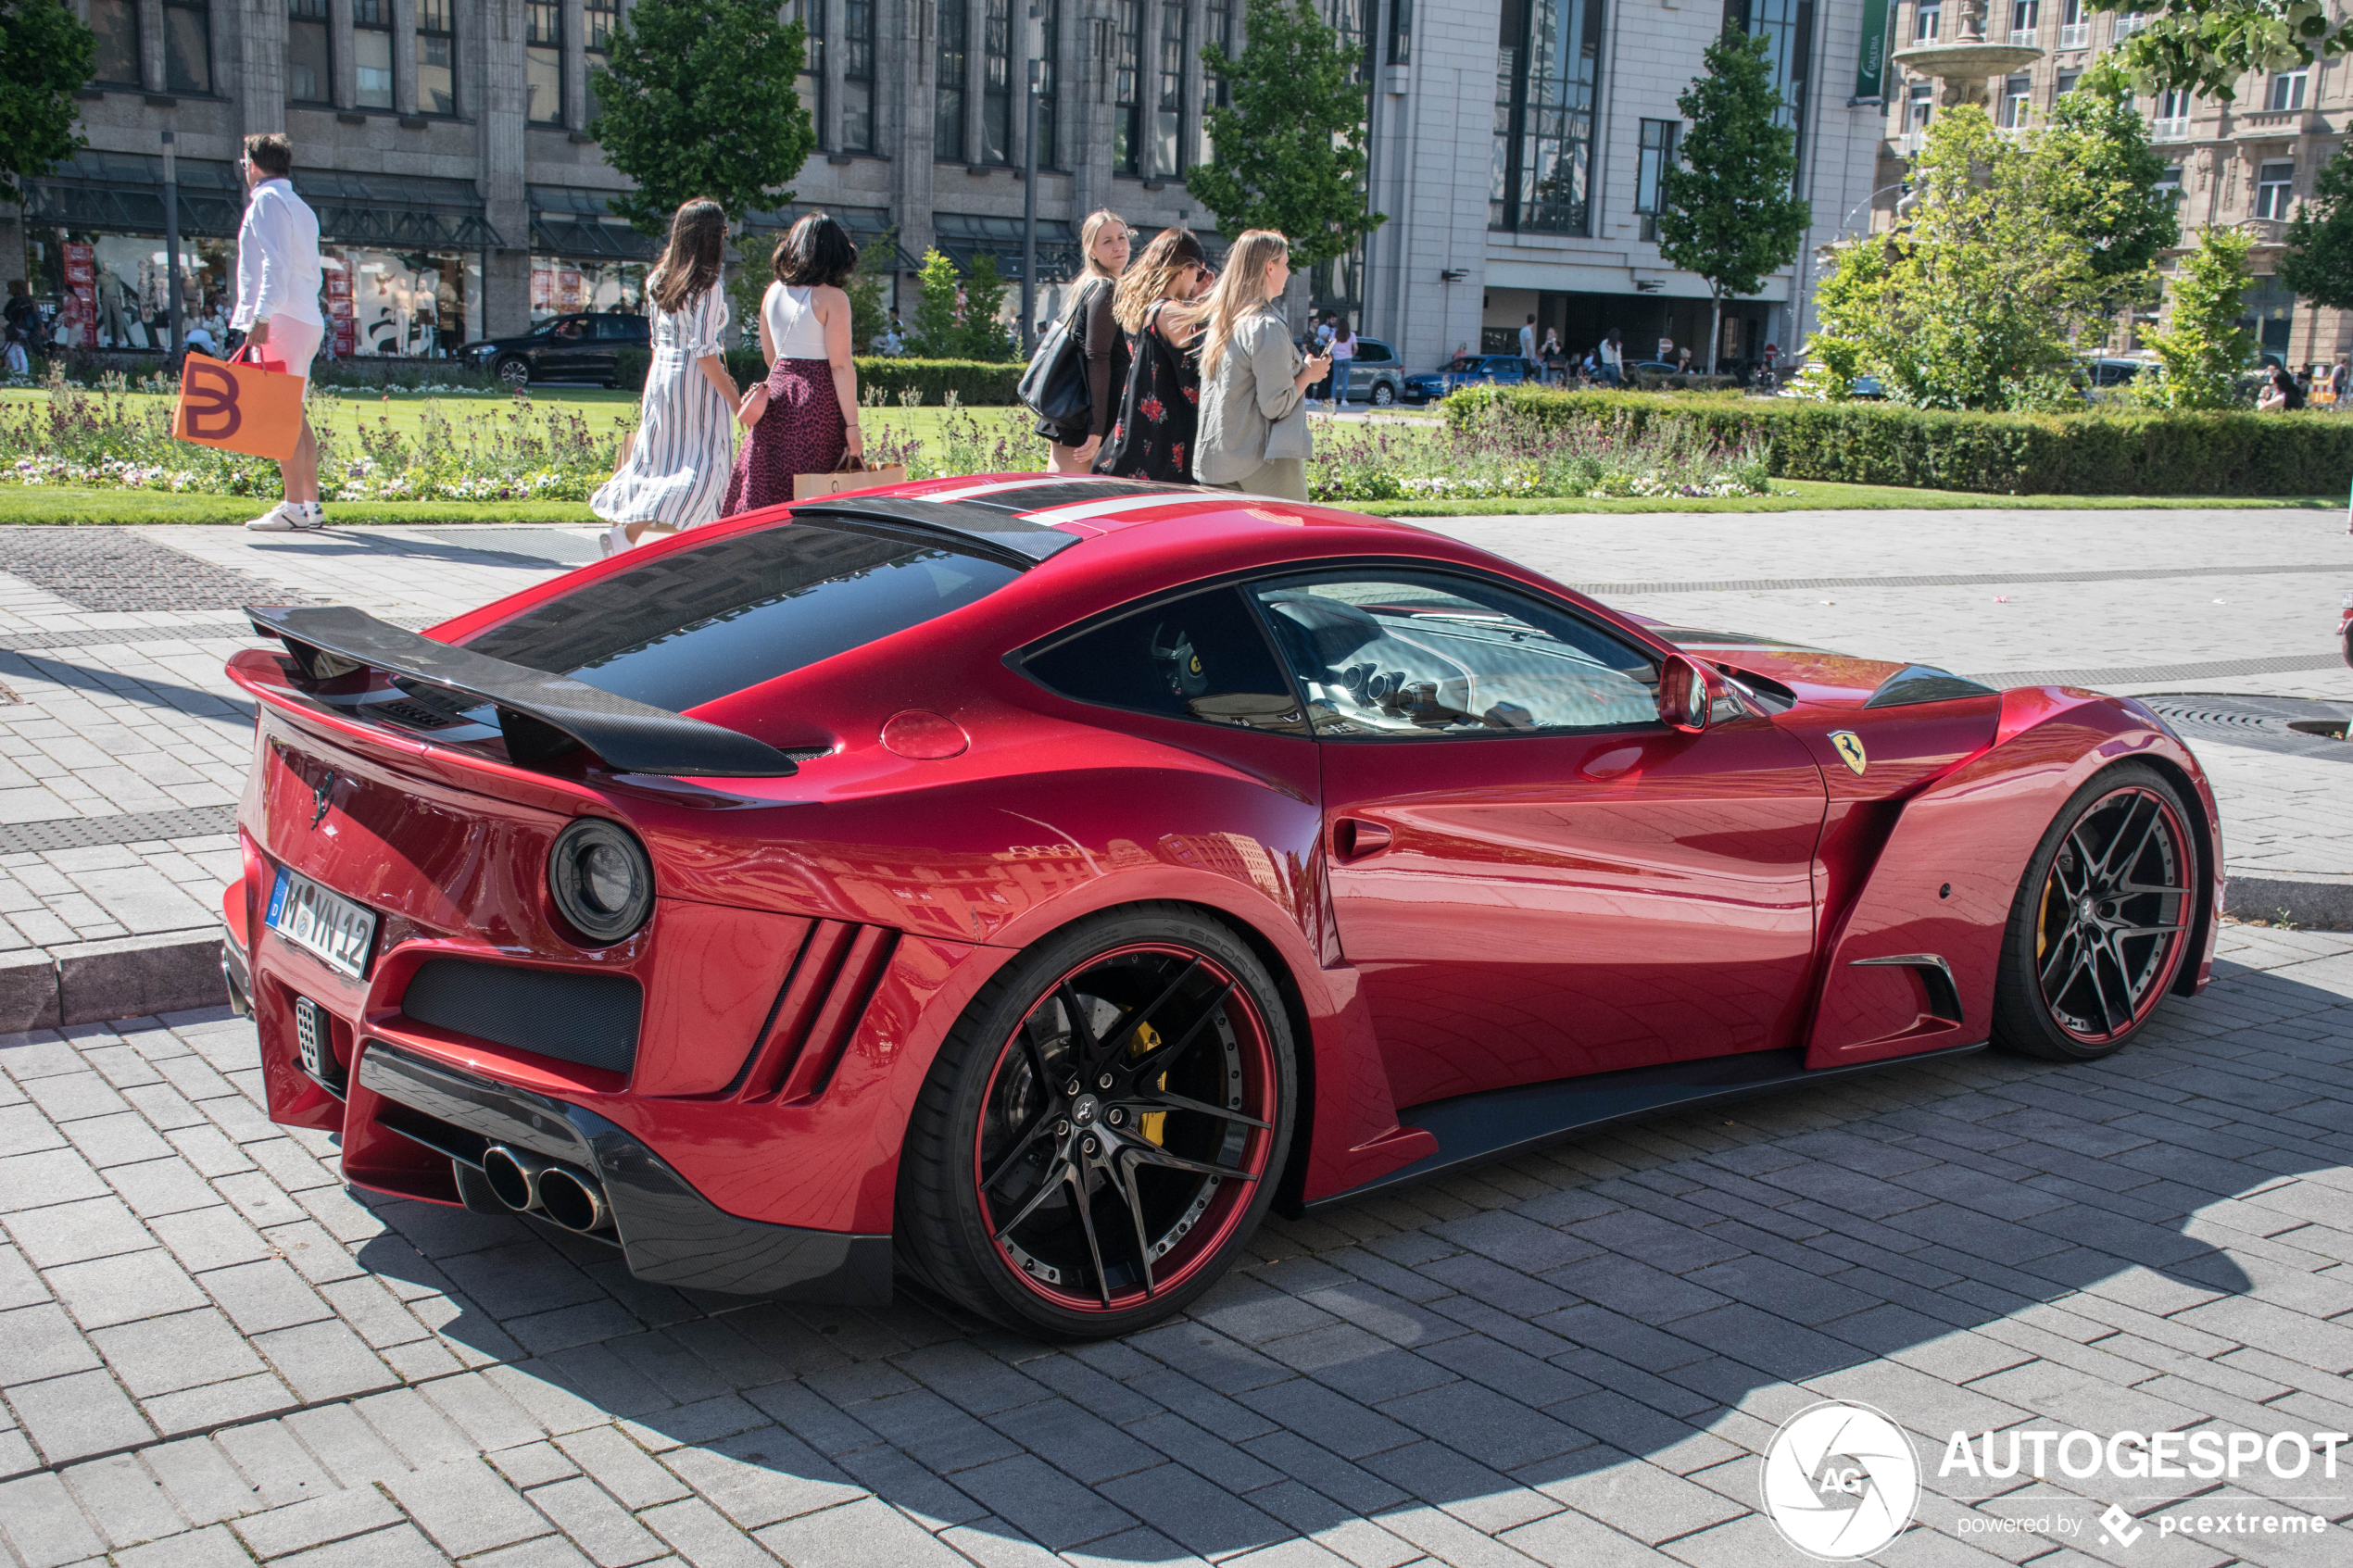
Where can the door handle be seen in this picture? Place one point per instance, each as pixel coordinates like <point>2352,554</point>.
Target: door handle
<point>1354,838</point>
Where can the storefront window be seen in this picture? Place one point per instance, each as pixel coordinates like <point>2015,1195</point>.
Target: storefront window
<point>372,52</point>
<point>400,304</point>
<point>310,75</point>
<point>112,291</point>
<point>559,286</point>
<point>188,47</point>
<point>116,24</point>
<point>544,62</point>
<point>436,58</point>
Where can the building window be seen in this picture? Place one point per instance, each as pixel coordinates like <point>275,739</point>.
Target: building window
<point>948,102</point>
<point>2169,184</point>
<point>188,47</point>
<point>543,61</point>
<point>371,52</point>
<point>1401,32</point>
<point>1169,120</point>
<point>809,87</point>
<point>437,58</point>
<point>2025,16</point>
<point>598,20</point>
<point>1547,60</point>
<point>1927,19</point>
<point>1659,137</point>
<point>2017,102</point>
<point>2173,122</point>
<point>116,24</point>
<point>1918,105</point>
<point>1787,27</point>
<point>2064,83</point>
<point>1128,112</point>
<point>2075,28</point>
<point>997,82</point>
<point>2287,89</point>
<point>1050,33</point>
<point>310,76</point>
<point>1219,26</point>
<point>858,76</point>
<point>2129,23</point>
<point>2272,182</point>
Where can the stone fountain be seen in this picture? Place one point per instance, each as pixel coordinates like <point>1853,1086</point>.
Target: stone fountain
<point>1966,64</point>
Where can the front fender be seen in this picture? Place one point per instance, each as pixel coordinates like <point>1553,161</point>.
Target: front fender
<point>1946,880</point>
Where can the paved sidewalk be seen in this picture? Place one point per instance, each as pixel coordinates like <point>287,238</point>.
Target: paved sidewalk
<point>213,1354</point>
<point>127,748</point>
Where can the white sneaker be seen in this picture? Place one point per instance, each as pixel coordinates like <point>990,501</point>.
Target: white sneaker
<point>284,518</point>
<point>615,539</point>
<point>314,515</point>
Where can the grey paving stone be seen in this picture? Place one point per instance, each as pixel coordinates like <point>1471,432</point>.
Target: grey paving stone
<point>295,1526</point>
<point>264,1295</point>
<point>622,1468</point>
<point>126,1502</point>
<point>596,1524</point>
<point>324,1360</point>
<point>125,1289</point>
<point>1049,1506</point>
<point>203,1485</point>
<point>547,1551</point>
<point>214,1548</point>
<point>42,1342</point>
<point>400,1547</point>
<point>40,1519</point>
<point>163,1355</point>
<point>700,1535</point>
<point>69,1418</point>
<point>71,1233</point>
<point>465,1506</point>
<point>857,1534</point>
<point>212,1405</point>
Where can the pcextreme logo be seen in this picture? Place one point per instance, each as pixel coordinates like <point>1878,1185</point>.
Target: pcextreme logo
<point>1841,1481</point>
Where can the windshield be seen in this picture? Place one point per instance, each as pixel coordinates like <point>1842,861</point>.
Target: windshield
<point>693,626</point>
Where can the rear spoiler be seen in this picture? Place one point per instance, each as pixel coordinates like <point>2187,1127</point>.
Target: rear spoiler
<point>542,716</point>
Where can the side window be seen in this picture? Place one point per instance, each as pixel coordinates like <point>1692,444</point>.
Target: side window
<point>1413,653</point>
<point>1200,656</point>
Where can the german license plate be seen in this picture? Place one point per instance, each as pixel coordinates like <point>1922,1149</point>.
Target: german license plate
<point>327,925</point>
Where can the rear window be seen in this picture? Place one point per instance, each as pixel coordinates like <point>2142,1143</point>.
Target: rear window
<point>688,628</point>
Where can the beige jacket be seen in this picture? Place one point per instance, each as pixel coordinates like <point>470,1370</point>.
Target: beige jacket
<point>1251,410</point>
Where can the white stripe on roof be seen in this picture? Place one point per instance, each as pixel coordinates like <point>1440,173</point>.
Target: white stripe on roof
<point>994,486</point>
<point>1087,511</point>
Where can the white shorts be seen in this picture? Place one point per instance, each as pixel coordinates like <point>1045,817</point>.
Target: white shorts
<point>295,343</point>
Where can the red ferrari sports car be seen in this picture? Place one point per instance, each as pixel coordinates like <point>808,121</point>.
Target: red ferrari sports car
<point>1023,883</point>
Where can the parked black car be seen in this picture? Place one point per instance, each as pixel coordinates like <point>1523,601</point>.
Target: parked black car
<point>575,348</point>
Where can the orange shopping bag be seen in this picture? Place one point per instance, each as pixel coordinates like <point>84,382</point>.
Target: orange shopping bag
<point>239,407</point>
<point>817,486</point>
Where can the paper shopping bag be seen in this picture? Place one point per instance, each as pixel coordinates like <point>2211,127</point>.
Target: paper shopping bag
<point>816,486</point>
<point>238,407</point>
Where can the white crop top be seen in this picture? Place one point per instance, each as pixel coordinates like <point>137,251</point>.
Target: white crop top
<point>792,322</point>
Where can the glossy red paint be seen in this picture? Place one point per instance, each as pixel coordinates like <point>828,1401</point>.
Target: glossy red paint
<point>1541,907</point>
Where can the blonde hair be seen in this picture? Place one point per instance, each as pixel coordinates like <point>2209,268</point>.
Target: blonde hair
<point>1091,230</point>
<point>1241,291</point>
<point>1152,276</point>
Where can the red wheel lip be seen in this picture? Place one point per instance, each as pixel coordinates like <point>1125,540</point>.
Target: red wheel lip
<point>1259,1043</point>
<point>2178,941</point>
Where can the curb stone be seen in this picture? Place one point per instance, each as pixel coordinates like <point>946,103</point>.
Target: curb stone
<point>177,970</point>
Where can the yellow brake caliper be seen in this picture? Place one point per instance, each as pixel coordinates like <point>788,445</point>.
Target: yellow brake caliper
<point>1147,1040</point>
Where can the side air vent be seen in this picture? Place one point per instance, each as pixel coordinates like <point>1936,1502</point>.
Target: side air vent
<point>587,1019</point>
<point>824,999</point>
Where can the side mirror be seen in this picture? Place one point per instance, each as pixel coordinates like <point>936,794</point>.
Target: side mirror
<point>1686,692</point>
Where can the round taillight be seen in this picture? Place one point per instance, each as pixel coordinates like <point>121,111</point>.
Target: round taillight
<point>602,879</point>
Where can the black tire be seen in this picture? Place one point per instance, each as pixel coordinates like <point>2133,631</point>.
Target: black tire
<point>1384,394</point>
<point>1186,1226</point>
<point>2091,948</point>
<point>514,369</point>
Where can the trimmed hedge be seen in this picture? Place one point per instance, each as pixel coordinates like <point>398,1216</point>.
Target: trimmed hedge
<point>2098,453</point>
<point>975,383</point>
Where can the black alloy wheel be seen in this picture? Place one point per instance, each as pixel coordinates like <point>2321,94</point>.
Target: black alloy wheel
<point>1103,1128</point>
<point>2103,921</point>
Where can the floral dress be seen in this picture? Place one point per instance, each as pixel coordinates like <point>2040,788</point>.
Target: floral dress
<point>1160,410</point>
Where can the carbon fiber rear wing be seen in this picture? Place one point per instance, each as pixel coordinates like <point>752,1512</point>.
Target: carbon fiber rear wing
<point>542,716</point>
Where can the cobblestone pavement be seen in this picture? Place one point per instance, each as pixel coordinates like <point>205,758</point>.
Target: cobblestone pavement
<point>212,1353</point>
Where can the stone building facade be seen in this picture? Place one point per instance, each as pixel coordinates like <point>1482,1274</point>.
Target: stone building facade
<point>2247,163</point>
<point>1515,145</point>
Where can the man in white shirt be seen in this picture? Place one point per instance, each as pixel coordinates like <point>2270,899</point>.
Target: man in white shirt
<point>1527,348</point>
<point>278,306</point>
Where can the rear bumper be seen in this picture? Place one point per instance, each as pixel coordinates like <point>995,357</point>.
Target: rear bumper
<point>668,1233</point>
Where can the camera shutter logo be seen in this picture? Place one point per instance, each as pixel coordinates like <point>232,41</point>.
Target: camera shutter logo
<point>1840,1481</point>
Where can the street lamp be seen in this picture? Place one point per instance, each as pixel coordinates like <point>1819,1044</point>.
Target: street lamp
<point>170,248</point>
<point>1033,47</point>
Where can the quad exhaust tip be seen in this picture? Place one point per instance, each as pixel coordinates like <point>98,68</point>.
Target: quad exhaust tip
<point>530,1185</point>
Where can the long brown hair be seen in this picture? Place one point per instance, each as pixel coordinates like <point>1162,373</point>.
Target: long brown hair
<point>689,263</point>
<point>1241,291</point>
<point>1152,276</point>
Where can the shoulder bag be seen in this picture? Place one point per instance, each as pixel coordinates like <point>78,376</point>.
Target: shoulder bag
<point>1054,387</point>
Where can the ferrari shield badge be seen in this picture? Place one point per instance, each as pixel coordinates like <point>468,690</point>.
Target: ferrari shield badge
<point>1850,750</point>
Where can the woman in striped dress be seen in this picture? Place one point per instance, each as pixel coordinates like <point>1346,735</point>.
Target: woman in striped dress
<point>675,471</point>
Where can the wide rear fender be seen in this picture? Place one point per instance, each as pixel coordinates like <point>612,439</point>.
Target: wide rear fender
<point>1941,891</point>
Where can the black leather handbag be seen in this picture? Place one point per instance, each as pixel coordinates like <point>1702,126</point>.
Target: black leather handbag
<point>1054,387</point>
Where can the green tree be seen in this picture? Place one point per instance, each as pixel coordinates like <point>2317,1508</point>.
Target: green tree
<point>46,53</point>
<point>868,315</point>
<point>2318,261</point>
<point>2209,45</point>
<point>2093,170</point>
<point>1290,152</point>
<point>1969,304</point>
<point>698,101</point>
<point>2203,348</point>
<point>937,330</point>
<point>984,335</point>
<point>1725,211</point>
